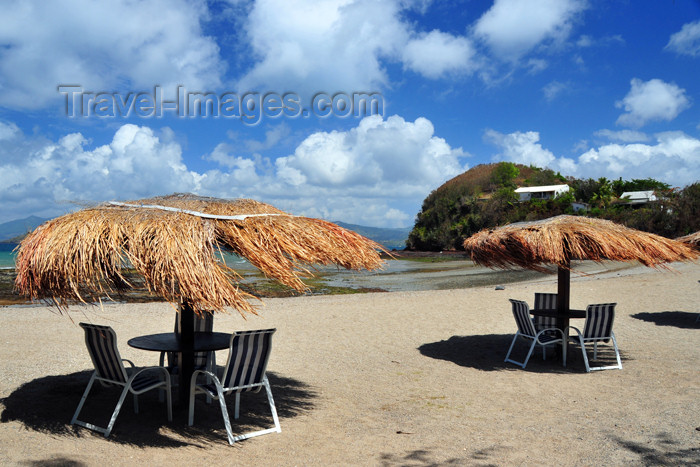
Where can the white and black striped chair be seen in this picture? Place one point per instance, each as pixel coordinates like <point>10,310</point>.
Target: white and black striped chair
<point>245,369</point>
<point>545,301</point>
<point>526,330</point>
<point>101,343</point>
<point>597,328</point>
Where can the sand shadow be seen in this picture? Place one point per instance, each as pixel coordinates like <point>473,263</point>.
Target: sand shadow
<point>661,450</point>
<point>54,462</point>
<point>487,352</point>
<point>679,319</point>
<point>47,404</point>
<point>417,457</point>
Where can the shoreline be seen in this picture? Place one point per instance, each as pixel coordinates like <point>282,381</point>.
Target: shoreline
<point>417,271</point>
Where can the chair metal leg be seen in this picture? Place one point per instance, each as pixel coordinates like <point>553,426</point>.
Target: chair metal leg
<point>510,349</point>
<point>529,353</point>
<point>224,412</point>
<point>266,383</point>
<point>74,420</point>
<point>170,400</point>
<point>112,420</point>
<point>617,351</point>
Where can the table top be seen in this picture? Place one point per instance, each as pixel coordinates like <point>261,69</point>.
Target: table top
<point>554,313</point>
<point>169,341</point>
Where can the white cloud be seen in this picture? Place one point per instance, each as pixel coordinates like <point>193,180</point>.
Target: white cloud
<point>377,154</point>
<point>623,136</point>
<point>553,89</point>
<point>66,42</point>
<point>332,46</point>
<point>673,159</point>
<point>512,28</point>
<point>687,40</point>
<point>343,45</point>
<point>651,100</point>
<point>134,164</point>
<point>437,53</point>
<point>521,147</point>
<point>377,173</point>
<point>8,131</point>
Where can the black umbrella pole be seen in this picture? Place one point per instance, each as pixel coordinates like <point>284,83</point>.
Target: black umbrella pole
<point>563,288</point>
<point>186,357</point>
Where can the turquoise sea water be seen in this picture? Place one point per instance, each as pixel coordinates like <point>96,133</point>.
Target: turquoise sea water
<point>7,257</point>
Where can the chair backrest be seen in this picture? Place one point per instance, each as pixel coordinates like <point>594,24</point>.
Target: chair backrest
<point>545,301</point>
<point>203,323</point>
<point>521,313</point>
<point>599,321</point>
<point>247,360</point>
<point>101,342</point>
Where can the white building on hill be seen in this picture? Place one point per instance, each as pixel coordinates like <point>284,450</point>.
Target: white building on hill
<point>637,197</point>
<point>528,193</point>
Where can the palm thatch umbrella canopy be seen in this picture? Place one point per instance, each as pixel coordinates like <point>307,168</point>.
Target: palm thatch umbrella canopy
<point>560,239</point>
<point>691,239</point>
<point>174,242</point>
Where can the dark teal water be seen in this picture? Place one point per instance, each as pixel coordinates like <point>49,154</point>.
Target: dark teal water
<point>7,257</point>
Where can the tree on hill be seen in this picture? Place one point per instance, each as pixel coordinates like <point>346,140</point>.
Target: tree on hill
<point>503,175</point>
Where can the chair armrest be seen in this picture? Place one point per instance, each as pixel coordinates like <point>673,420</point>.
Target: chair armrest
<point>151,368</point>
<point>208,373</point>
<point>578,333</point>
<point>537,336</point>
<point>129,362</point>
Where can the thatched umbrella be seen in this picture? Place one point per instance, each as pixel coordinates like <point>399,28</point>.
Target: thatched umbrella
<point>560,239</point>
<point>691,239</point>
<point>174,244</point>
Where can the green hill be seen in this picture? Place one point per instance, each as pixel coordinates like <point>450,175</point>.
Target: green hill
<point>484,197</point>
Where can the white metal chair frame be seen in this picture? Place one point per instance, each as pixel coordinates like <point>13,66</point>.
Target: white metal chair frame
<point>526,330</point>
<point>249,352</point>
<point>110,370</point>
<point>597,328</point>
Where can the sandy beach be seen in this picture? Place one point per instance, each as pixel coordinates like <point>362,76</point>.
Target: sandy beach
<point>402,378</point>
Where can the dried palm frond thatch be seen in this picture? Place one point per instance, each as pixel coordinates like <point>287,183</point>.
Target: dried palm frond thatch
<point>558,240</point>
<point>691,239</point>
<point>174,242</point>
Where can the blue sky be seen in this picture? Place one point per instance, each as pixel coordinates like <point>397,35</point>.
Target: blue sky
<point>589,88</point>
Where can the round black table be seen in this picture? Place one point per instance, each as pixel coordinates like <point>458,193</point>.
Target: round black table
<point>171,342</point>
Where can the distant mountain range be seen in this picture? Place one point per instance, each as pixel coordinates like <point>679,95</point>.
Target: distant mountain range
<point>15,230</point>
<point>389,238</point>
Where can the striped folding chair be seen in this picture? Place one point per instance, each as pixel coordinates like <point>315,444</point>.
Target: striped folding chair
<point>526,330</point>
<point>244,371</point>
<point>597,328</point>
<point>101,343</point>
<point>545,301</point>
